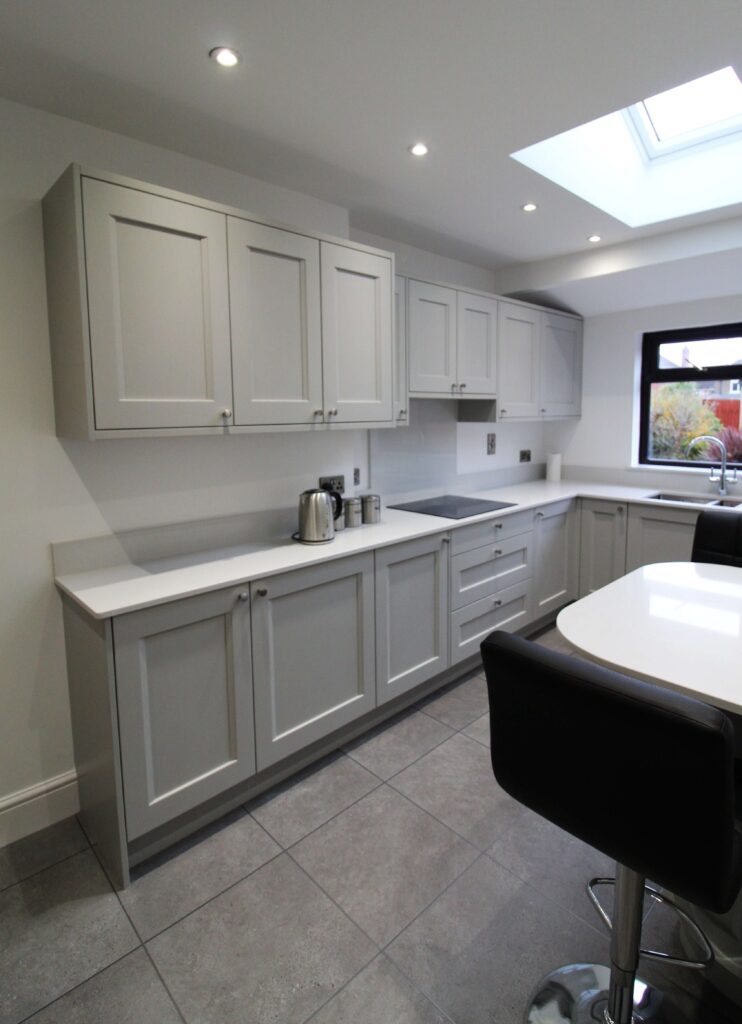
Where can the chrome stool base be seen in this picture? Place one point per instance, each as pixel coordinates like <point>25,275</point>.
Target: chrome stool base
<point>578,994</point>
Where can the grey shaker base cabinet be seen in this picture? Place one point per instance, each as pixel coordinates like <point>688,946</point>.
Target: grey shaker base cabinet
<point>313,653</point>
<point>411,614</point>
<point>186,709</point>
<point>185,704</point>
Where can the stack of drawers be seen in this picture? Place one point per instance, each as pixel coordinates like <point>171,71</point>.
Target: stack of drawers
<point>491,576</point>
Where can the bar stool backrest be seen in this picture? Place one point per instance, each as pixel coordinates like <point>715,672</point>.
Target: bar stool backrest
<point>718,538</point>
<point>635,770</point>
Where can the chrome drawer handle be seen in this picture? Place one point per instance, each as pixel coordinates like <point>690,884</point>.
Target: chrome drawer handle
<point>497,602</point>
<point>497,551</point>
<point>262,592</point>
<point>244,596</point>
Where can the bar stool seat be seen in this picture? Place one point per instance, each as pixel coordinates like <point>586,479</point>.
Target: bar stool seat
<point>645,775</point>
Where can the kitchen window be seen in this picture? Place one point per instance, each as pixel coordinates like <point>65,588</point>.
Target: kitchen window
<point>690,386</point>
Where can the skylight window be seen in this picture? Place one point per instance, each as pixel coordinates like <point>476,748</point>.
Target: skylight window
<point>673,154</point>
<point>689,114</point>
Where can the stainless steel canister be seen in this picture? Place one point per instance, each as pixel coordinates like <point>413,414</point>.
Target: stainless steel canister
<point>353,512</point>
<point>371,507</point>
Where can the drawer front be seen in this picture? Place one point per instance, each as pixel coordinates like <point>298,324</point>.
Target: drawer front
<point>509,609</point>
<point>479,534</point>
<point>486,570</point>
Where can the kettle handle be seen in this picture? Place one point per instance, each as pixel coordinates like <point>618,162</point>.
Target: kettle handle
<point>337,501</point>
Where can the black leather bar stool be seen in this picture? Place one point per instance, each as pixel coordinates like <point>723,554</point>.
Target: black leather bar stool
<point>718,538</point>
<point>644,775</point>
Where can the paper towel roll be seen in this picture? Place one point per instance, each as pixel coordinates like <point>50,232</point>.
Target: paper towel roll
<point>554,467</point>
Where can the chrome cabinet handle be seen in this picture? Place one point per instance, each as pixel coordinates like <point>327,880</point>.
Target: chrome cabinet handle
<point>332,412</point>
<point>402,414</point>
<point>498,526</point>
<point>543,410</point>
<point>445,540</point>
<point>503,412</point>
<point>461,387</point>
<point>497,602</point>
<point>539,515</point>
<point>318,412</point>
<point>226,414</point>
<point>244,596</point>
<point>619,510</point>
<point>497,551</point>
<point>262,592</point>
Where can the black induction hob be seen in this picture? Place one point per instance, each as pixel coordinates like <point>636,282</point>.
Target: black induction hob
<point>453,506</point>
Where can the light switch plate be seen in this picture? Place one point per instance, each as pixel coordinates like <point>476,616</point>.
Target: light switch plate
<point>491,444</point>
<point>525,455</point>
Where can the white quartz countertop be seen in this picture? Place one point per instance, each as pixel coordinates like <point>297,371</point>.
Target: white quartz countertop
<point>116,590</point>
<point>675,623</point>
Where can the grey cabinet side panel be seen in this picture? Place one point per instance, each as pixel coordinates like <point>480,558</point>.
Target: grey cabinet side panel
<point>96,738</point>
<point>67,304</point>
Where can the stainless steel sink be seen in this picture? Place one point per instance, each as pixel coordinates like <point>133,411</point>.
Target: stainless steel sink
<point>697,499</point>
<point>687,499</point>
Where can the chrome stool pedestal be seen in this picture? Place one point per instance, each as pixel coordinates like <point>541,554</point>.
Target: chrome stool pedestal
<point>596,994</point>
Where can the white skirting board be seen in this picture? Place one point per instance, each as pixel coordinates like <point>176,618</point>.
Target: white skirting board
<point>35,807</point>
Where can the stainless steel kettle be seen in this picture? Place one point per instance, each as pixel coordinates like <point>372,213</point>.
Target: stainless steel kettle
<point>318,510</point>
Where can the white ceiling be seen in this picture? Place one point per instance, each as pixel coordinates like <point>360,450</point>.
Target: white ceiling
<point>331,93</point>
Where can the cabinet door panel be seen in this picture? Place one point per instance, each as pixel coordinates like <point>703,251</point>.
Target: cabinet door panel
<point>274,284</point>
<point>484,571</point>
<point>313,654</point>
<point>509,609</point>
<point>518,361</point>
<point>184,690</point>
<point>431,337</point>
<point>356,335</point>
<point>411,615</point>
<point>158,308</point>
<point>561,365</point>
<point>659,535</point>
<point>476,359</point>
<point>401,399</point>
<point>555,562</point>
<point>602,543</point>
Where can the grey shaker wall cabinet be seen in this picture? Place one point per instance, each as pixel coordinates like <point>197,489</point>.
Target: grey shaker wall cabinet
<point>452,341</point>
<point>411,614</point>
<point>539,363</point>
<point>603,529</point>
<point>170,314</point>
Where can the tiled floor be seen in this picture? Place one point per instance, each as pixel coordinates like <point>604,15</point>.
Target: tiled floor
<point>394,883</point>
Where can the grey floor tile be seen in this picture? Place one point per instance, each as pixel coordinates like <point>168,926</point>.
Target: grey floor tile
<point>480,730</point>
<point>455,783</point>
<point>460,705</point>
<point>272,949</point>
<point>42,849</point>
<point>380,994</point>
<point>556,863</point>
<point>307,801</point>
<point>176,882</point>
<point>394,746</point>
<point>480,949</point>
<point>66,925</point>
<point>554,640</point>
<point>128,992</point>
<point>383,860</point>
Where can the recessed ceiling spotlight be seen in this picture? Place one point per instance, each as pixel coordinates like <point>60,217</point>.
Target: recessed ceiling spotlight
<point>225,56</point>
<point>594,238</point>
<point>529,207</point>
<point>419,149</point>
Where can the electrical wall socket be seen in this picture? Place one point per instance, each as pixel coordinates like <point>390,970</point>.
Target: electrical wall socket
<point>491,444</point>
<point>525,455</point>
<point>333,483</point>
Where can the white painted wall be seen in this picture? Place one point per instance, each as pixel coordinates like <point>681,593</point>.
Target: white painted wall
<point>605,440</point>
<point>53,490</point>
<point>429,266</point>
